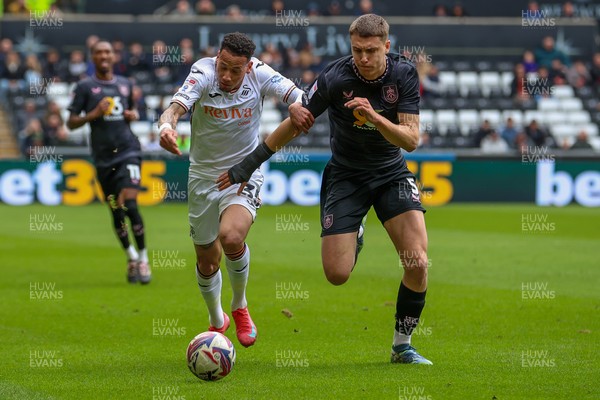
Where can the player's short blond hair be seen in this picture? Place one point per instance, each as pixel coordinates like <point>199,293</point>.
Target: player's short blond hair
<point>370,25</point>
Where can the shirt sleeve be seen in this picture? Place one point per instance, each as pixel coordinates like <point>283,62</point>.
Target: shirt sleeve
<point>78,99</point>
<point>275,84</point>
<point>317,99</point>
<point>408,85</point>
<point>191,90</point>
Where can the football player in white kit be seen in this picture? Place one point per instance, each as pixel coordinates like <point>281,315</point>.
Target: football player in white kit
<point>225,95</point>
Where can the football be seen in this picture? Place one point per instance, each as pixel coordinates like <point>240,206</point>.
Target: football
<point>210,356</point>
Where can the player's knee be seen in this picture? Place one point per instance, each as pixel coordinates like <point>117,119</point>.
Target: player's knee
<point>231,240</point>
<point>415,263</point>
<point>414,260</point>
<point>206,267</point>
<point>336,276</point>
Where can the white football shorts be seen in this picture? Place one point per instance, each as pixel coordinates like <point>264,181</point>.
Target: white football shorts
<point>206,204</point>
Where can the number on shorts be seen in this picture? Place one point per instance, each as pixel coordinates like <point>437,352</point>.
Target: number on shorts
<point>250,191</point>
<point>134,172</point>
<point>413,186</point>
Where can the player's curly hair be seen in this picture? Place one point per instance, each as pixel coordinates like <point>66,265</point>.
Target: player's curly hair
<point>238,44</point>
<point>370,25</point>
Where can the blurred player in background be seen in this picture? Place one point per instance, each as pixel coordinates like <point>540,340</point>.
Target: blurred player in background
<point>107,102</point>
<point>225,95</point>
<point>373,103</point>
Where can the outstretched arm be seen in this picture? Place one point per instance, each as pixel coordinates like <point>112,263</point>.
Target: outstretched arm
<point>167,123</point>
<point>242,171</point>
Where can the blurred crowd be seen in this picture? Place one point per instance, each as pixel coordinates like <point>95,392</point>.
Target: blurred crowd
<point>152,74</point>
<point>154,70</point>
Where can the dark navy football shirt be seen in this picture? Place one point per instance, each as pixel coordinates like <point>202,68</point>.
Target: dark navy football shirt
<point>355,142</point>
<point>112,139</point>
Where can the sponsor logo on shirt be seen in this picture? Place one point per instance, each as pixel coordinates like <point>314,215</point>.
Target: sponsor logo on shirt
<point>362,122</point>
<point>228,113</point>
<point>185,96</point>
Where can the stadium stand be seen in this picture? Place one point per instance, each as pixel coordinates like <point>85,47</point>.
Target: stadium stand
<point>458,95</point>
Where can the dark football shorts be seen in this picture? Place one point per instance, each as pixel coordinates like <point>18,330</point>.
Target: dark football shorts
<point>125,174</point>
<point>348,194</point>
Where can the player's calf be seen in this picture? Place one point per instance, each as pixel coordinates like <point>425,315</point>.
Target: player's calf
<point>415,264</point>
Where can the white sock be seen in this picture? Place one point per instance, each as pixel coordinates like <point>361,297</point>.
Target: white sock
<point>238,276</point>
<point>211,292</point>
<point>144,255</point>
<point>132,254</point>
<point>399,338</point>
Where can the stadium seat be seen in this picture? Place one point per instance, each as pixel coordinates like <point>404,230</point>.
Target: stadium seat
<point>184,128</point>
<point>516,115</point>
<point>467,120</point>
<point>467,82</point>
<point>442,65</point>
<point>591,104</point>
<point>563,130</point>
<point>578,117</point>
<point>563,91</point>
<point>507,78</point>
<point>141,128</point>
<point>80,135</point>
<point>460,66</point>
<point>531,115</point>
<point>493,116</point>
<point>57,89</point>
<point>63,101</point>
<point>548,104</point>
<point>489,81</point>
<point>585,92</point>
<point>153,102</point>
<point>595,142</point>
<point>448,80</point>
<point>552,118</point>
<point>439,103</point>
<point>571,104</point>
<point>444,119</point>
<point>165,101</point>
<point>426,120</point>
<point>505,66</point>
<point>590,129</point>
<point>482,66</point>
<point>270,115</point>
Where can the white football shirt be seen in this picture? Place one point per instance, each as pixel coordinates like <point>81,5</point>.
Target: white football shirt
<point>225,126</point>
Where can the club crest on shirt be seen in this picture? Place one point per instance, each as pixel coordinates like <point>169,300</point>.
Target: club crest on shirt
<point>328,221</point>
<point>96,90</point>
<point>348,95</point>
<point>124,90</point>
<point>390,93</point>
<point>245,91</point>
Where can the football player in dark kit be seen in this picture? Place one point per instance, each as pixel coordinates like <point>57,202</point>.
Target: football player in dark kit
<point>373,102</point>
<point>108,106</point>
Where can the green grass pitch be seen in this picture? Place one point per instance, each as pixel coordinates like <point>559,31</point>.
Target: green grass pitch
<point>512,310</point>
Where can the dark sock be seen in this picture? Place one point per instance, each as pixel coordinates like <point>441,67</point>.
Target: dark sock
<point>137,225</point>
<point>408,309</point>
<point>120,226</point>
